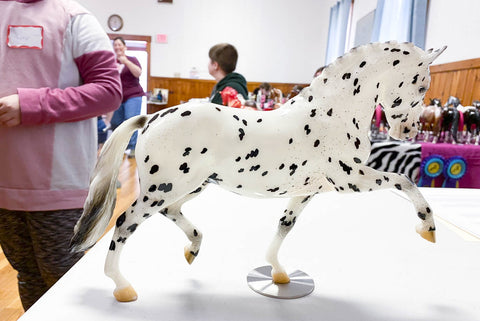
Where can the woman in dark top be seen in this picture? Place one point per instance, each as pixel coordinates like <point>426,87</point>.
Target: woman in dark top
<point>223,61</point>
<point>130,71</point>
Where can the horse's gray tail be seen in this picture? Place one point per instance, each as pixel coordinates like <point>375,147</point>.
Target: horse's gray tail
<point>100,202</point>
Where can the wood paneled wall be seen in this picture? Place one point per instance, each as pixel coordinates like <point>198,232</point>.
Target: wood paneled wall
<point>182,89</point>
<point>460,79</point>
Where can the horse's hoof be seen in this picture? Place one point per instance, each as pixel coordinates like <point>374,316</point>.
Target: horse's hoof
<point>428,235</point>
<point>189,256</point>
<point>280,278</point>
<point>127,294</point>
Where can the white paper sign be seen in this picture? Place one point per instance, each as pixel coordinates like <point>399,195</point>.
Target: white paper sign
<point>25,37</point>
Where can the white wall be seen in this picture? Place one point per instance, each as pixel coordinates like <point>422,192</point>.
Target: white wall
<point>452,23</point>
<point>277,40</point>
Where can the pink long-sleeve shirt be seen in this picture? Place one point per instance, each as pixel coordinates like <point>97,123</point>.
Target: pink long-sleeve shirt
<point>57,57</point>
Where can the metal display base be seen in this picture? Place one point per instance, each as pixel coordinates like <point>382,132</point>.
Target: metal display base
<point>260,281</point>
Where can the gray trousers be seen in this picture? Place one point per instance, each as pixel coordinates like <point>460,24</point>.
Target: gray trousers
<point>36,245</point>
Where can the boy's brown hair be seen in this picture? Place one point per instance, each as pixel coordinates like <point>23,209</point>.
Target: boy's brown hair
<point>225,55</point>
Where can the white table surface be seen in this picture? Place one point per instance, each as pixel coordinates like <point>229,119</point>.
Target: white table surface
<point>362,251</point>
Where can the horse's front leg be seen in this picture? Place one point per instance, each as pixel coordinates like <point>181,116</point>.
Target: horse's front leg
<point>294,208</point>
<point>371,180</point>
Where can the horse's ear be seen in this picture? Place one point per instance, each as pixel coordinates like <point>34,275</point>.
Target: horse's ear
<point>431,54</point>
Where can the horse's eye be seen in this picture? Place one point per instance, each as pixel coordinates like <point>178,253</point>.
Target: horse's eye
<point>422,90</point>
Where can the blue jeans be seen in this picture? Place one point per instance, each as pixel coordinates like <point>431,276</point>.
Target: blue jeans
<point>127,110</point>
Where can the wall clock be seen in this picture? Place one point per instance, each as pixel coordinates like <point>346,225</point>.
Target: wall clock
<point>115,22</point>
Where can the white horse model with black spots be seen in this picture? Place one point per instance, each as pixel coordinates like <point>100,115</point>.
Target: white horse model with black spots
<point>316,142</point>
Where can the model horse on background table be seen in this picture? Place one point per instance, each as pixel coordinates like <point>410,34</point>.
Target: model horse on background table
<point>316,142</point>
<point>449,123</point>
<point>430,119</point>
<point>471,117</point>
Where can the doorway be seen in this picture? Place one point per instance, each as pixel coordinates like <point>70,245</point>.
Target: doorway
<point>138,47</point>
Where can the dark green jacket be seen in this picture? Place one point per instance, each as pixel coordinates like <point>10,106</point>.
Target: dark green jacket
<point>234,80</point>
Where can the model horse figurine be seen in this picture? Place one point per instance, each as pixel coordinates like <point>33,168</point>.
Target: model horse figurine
<point>471,117</point>
<point>316,142</point>
<point>430,119</point>
<point>449,123</point>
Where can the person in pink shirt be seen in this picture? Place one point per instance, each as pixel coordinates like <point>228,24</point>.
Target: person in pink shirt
<point>57,75</point>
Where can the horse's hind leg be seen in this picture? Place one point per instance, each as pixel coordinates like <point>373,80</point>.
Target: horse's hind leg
<point>294,208</point>
<point>173,212</point>
<point>125,226</point>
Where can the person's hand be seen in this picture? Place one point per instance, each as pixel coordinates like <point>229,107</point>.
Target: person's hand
<point>10,111</point>
<point>122,59</point>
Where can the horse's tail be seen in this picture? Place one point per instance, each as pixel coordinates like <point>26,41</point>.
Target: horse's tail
<point>100,202</point>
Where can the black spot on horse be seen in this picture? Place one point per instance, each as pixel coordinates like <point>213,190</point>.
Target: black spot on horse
<point>121,219</point>
<point>357,160</point>
<point>165,187</point>
<point>329,112</point>
<point>186,113</point>
<point>153,118</point>
<point>236,117</point>
<point>362,64</point>
<point>349,136</point>
<point>310,98</point>
<point>155,203</point>
<point>406,53</point>
<point>169,111</point>
<point>313,113</point>
<point>254,168</point>
<point>265,173</point>
<point>238,159</point>
<point>253,153</point>
<point>244,122</point>
<point>397,116</point>
<point>355,81</point>
<point>376,98</point>
<point>259,120</point>
<point>396,62</point>
<point>406,130</point>
<point>345,167</point>
<point>325,80</point>
<point>218,109</point>
<point>413,104</point>
<point>242,133</point>
<point>422,216</point>
<point>307,129</point>
<point>397,102</point>
<point>290,141</point>
<point>317,142</point>
<point>395,50</point>
<point>145,198</point>
<point>239,186</point>
<point>293,168</point>
<point>398,186</point>
<point>184,168</point>
<point>147,158</point>
<point>204,150</point>
<point>346,76</point>
<point>356,91</point>
<point>112,246</point>
<point>187,151</point>
<point>353,187</point>
<point>400,85</point>
<point>415,78</point>
<point>122,240</point>
<point>154,169</point>
<point>304,163</point>
<point>282,166</point>
<point>132,227</point>
<point>357,143</point>
<point>379,182</point>
<point>292,102</point>
<point>273,190</point>
<point>152,188</point>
